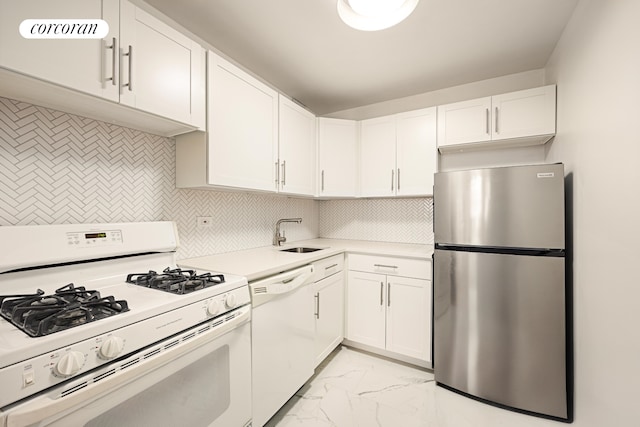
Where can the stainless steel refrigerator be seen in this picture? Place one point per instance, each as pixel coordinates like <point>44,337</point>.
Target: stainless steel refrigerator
<point>500,295</point>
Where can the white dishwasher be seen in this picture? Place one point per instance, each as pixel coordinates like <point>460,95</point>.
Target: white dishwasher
<point>283,329</point>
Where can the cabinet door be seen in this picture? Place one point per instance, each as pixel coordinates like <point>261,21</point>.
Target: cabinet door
<point>524,113</point>
<point>243,128</point>
<point>338,157</point>
<point>416,152</point>
<point>160,67</point>
<point>329,299</point>
<point>463,122</point>
<point>366,308</point>
<point>82,64</point>
<point>378,156</point>
<point>409,317</point>
<point>297,149</point>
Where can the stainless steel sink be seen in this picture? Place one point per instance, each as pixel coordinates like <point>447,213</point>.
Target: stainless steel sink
<point>301,250</point>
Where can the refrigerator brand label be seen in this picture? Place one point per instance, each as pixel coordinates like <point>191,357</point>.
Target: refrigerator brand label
<point>546,175</point>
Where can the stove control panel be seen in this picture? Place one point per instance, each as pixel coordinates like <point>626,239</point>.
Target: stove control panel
<point>94,238</point>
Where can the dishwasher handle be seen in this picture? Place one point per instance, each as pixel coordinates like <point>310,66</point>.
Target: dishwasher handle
<point>283,283</point>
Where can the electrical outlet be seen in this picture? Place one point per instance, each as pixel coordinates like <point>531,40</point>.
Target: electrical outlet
<point>204,221</point>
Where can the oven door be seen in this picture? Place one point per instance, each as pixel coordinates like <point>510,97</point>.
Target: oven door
<point>201,377</point>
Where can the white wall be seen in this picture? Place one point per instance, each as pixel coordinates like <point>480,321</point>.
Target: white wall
<point>596,65</point>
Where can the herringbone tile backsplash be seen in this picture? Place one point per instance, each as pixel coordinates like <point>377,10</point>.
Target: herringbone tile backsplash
<point>383,220</point>
<point>60,168</point>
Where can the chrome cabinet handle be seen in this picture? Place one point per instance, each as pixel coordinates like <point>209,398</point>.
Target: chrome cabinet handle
<point>113,61</point>
<point>497,120</point>
<point>322,181</point>
<point>389,295</point>
<point>385,266</point>
<point>381,293</point>
<point>331,266</point>
<point>284,172</point>
<point>398,178</point>
<point>392,171</point>
<point>130,55</point>
<point>277,176</point>
<point>317,297</point>
<point>487,120</point>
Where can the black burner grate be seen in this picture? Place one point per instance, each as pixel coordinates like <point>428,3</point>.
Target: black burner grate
<point>38,314</point>
<point>176,280</point>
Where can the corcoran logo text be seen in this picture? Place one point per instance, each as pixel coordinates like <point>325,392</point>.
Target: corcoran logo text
<point>64,28</point>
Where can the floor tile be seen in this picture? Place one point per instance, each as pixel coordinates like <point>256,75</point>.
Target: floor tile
<point>354,388</point>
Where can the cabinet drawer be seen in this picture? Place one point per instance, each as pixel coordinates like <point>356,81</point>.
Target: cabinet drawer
<point>327,266</point>
<point>392,266</point>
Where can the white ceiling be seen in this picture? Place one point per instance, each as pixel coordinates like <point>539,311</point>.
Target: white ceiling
<point>302,47</point>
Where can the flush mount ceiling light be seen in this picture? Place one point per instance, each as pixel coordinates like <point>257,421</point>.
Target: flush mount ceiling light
<point>373,15</point>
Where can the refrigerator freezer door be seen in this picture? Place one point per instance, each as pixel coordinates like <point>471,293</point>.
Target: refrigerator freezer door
<point>499,330</point>
<point>514,207</point>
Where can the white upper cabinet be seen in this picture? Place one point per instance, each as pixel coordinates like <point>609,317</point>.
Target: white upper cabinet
<point>463,122</point>
<point>162,70</point>
<point>242,116</point>
<point>296,149</point>
<point>398,154</point>
<point>142,63</point>
<point>524,113</point>
<point>416,154</point>
<point>521,118</point>
<point>337,158</point>
<point>378,157</point>
<point>88,65</point>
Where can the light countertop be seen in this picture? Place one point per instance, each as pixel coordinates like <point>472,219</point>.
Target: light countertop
<point>268,260</point>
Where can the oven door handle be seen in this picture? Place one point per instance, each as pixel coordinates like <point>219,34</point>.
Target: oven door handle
<point>45,406</point>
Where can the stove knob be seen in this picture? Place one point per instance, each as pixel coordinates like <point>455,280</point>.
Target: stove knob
<point>230,301</point>
<point>69,364</point>
<point>111,348</point>
<point>213,308</point>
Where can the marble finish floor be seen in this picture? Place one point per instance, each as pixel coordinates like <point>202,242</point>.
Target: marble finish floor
<point>356,389</point>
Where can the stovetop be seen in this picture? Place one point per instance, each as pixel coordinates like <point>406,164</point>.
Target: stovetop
<point>38,314</point>
<point>105,281</point>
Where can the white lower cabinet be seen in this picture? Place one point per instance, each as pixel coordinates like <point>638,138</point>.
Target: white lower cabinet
<point>329,312</point>
<point>328,297</point>
<point>387,311</point>
<point>366,312</point>
<point>408,328</point>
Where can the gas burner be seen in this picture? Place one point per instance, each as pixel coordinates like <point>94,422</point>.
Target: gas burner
<point>38,314</point>
<point>176,280</point>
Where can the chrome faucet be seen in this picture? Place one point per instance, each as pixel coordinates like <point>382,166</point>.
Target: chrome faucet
<point>280,239</point>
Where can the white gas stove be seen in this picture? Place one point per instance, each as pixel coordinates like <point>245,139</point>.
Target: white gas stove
<point>82,299</point>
